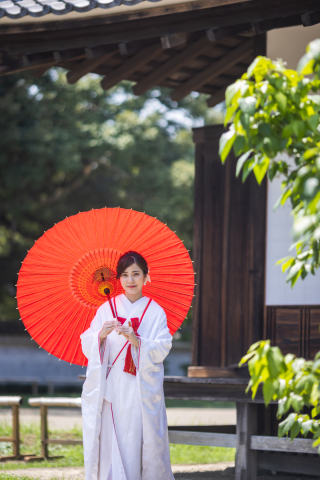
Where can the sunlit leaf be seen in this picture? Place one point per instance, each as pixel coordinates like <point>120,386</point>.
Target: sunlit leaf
<point>241,161</point>
<point>225,144</point>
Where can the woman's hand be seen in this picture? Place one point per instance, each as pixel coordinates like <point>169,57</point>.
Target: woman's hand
<point>129,334</point>
<point>108,327</point>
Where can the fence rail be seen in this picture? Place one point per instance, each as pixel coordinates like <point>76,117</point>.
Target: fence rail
<point>44,403</point>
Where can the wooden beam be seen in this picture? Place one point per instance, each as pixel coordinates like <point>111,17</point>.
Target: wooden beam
<point>312,18</point>
<point>215,34</point>
<point>38,72</point>
<point>66,55</point>
<point>20,67</point>
<point>172,65</point>
<point>96,52</point>
<point>217,97</point>
<point>282,22</point>
<point>174,40</point>
<point>97,34</point>
<point>214,70</point>
<point>129,48</point>
<point>277,462</point>
<point>37,59</point>
<point>275,444</point>
<point>130,66</point>
<point>246,459</point>
<point>207,439</point>
<point>87,66</point>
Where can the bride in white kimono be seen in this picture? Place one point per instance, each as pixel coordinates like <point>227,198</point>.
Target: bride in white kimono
<point>125,433</point>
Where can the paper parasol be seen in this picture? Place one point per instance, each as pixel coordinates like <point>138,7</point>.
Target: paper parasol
<point>64,276</point>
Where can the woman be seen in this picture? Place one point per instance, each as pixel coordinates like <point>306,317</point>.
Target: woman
<point>125,433</point>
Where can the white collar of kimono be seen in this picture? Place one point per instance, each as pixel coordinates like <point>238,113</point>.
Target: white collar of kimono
<point>129,307</point>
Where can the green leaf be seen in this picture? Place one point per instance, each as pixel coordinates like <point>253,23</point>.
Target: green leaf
<point>296,402</point>
<point>306,64</point>
<point>239,144</point>
<point>315,412</point>
<point>285,196</point>
<point>268,391</point>
<point>260,169</point>
<point>246,358</point>
<point>311,152</point>
<point>255,345</point>
<point>247,105</point>
<point>247,168</point>
<point>231,91</point>
<point>295,429</point>
<point>225,144</point>
<point>241,161</point>
<point>313,123</point>
<point>299,128</point>
<point>314,397</point>
<point>313,49</point>
<point>229,113</point>
<point>283,406</point>
<point>294,270</point>
<point>282,102</point>
<point>287,264</point>
<point>306,426</point>
<point>275,362</point>
<point>286,425</point>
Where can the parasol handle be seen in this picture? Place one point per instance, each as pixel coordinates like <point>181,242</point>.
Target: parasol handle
<point>107,292</point>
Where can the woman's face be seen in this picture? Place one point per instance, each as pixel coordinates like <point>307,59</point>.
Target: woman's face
<point>132,281</point>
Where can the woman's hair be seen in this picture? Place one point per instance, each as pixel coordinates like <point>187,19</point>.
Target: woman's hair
<point>128,259</point>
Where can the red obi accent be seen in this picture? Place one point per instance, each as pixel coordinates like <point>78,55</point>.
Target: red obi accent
<point>121,320</point>
<point>129,365</point>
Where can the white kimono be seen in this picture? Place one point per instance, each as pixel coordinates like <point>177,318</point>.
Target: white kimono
<point>125,433</point>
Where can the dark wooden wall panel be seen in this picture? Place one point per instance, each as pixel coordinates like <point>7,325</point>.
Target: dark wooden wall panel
<point>314,333</point>
<point>294,329</point>
<point>288,330</point>
<point>229,256</point>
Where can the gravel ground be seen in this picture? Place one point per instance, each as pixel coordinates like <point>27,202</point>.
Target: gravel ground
<point>216,471</point>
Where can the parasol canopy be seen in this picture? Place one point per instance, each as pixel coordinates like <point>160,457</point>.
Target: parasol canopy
<point>66,274</point>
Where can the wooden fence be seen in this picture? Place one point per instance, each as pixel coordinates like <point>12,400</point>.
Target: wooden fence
<point>253,451</point>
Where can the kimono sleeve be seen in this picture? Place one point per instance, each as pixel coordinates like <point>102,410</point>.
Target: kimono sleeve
<point>90,338</point>
<point>153,351</point>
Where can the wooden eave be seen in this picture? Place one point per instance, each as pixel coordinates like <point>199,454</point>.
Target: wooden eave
<point>193,47</point>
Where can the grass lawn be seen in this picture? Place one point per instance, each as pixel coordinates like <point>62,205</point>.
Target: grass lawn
<point>73,454</point>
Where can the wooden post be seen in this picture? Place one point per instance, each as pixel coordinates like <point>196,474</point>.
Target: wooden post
<point>246,459</point>
<point>15,431</point>
<point>44,430</point>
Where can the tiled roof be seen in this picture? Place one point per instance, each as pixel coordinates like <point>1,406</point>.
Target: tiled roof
<point>38,8</point>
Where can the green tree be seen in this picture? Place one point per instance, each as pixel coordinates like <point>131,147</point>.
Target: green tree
<point>65,149</point>
<point>275,111</point>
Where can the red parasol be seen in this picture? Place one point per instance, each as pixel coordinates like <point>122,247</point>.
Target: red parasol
<point>71,269</point>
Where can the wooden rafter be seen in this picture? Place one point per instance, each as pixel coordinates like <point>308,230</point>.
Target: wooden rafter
<point>88,66</point>
<point>130,66</point>
<point>217,97</point>
<point>311,18</point>
<point>174,40</point>
<point>172,65</point>
<point>66,55</point>
<point>214,70</point>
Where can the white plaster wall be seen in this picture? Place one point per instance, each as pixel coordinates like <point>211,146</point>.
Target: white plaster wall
<point>279,239</point>
<point>289,44</point>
